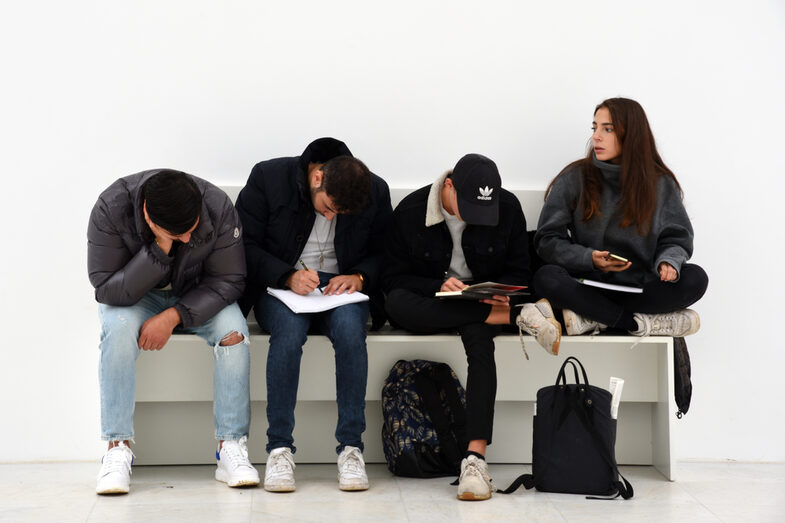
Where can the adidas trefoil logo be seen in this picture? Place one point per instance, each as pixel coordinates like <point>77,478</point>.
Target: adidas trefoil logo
<point>485,193</point>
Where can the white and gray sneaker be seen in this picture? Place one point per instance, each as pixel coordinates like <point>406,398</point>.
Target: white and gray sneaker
<point>234,468</point>
<point>677,324</point>
<point>351,469</point>
<point>474,484</point>
<point>577,324</point>
<point>279,473</point>
<point>115,474</point>
<point>537,319</point>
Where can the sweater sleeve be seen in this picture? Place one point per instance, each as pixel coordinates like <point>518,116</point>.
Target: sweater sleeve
<point>674,234</point>
<point>553,240</point>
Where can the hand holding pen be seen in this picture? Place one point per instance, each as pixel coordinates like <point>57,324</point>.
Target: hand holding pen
<point>304,281</point>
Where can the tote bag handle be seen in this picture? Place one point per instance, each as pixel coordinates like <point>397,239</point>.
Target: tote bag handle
<point>572,360</point>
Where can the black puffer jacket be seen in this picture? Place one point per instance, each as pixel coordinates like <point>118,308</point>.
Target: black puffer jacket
<point>277,214</point>
<point>419,246</point>
<point>124,263</point>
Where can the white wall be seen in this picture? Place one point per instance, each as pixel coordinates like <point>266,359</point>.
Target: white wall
<point>92,91</point>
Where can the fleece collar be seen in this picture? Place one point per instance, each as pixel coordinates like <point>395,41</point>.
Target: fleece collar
<point>433,213</point>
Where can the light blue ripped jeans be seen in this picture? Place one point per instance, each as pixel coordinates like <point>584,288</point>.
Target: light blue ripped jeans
<point>117,368</point>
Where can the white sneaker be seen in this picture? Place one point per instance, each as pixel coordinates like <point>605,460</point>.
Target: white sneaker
<point>577,324</point>
<point>279,473</point>
<point>474,483</point>
<point>234,468</point>
<point>351,470</point>
<point>115,474</point>
<point>677,324</point>
<point>537,319</point>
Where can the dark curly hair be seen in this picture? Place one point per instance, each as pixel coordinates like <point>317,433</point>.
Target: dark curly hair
<point>347,182</point>
<point>173,200</point>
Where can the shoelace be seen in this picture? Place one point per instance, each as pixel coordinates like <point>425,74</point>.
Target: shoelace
<point>473,468</point>
<point>236,453</point>
<point>353,463</point>
<point>282,463</point>
<point>117,461</point>
<point>520,324</point>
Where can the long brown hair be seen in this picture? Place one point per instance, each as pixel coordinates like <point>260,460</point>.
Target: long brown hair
<point>641,166</point>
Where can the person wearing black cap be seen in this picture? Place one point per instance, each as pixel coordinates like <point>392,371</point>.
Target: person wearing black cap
<point>317,220</point>
<point>464,228</point>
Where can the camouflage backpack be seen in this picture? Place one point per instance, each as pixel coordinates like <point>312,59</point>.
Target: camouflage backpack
<point>424,429</point>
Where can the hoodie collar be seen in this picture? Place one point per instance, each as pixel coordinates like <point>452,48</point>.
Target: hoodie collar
<point>433,213</point>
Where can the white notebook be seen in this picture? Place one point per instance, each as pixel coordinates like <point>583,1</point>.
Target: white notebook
<point>610,286</point>
<point>315,301</point>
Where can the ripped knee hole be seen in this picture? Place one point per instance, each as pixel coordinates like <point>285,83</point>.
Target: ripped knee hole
<point>231,339</point>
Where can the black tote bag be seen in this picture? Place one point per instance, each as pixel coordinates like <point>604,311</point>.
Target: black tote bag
<point>574,439</point>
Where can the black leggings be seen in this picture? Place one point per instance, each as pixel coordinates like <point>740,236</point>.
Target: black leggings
<point>428,315</point>
<point>614,308</point>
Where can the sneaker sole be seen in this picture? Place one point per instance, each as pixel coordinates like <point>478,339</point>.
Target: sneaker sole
<point>471,496</point>
<point>279,488</point>
<point>112,490</point>
<point>353,488</point>
<point>545,304</point>
<point>248,482</point>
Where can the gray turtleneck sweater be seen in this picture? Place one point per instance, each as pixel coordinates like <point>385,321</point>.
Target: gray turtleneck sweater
<point>563,238</point>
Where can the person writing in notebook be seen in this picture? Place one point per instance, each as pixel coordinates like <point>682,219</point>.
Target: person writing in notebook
<point>317,220</point>
<point>465,228</point>
<point>617,216</point>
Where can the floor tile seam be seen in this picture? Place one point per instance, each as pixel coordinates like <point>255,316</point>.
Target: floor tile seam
<point>404,502</point>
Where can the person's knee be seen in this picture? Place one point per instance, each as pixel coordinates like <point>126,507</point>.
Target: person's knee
<point>120,323</point>
<point>232,338</point>
<point>697,281</point>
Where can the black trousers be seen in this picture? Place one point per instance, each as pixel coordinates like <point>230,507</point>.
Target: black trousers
<point>615,308</point>
<point>429,315</point>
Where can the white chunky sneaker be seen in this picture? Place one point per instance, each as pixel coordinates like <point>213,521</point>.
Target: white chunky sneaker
<point>351,469</point>
<point>474,483</point>
<point>537,319</point>
<point>677,324</point>
<point>279,473</point>
<point>577,324</point>
<point>234,468</point>
<point>115,474</point>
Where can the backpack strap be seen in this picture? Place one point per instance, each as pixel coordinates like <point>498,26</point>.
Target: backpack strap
<point>527,480</point>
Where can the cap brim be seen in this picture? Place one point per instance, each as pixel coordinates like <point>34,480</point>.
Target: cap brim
<point>479,214</point>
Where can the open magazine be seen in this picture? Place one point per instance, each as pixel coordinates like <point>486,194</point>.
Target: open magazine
<point>480,291</point>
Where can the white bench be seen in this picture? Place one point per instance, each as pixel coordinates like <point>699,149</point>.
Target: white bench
<point>174,422</point>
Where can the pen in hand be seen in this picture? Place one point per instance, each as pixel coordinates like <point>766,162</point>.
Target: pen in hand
<point>307,269</point>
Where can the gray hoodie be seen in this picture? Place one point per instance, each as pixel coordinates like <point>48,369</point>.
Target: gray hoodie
<point>564,239</point>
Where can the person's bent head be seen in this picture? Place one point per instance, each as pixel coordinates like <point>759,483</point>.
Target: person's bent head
<point>341,185</point>
<point>173,201</point>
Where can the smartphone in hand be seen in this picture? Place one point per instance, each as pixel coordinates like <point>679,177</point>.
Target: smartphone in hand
<point>617,258</point>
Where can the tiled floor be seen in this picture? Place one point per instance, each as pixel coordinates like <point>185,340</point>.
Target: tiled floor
<point>64,492</point>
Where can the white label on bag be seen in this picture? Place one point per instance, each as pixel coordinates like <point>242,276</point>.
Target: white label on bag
<point>615,388</point>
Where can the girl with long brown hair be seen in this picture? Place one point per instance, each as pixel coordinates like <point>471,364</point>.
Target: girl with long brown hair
<point>617,217</point>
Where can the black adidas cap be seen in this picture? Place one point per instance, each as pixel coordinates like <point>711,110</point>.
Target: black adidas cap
<point>478,184</point>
